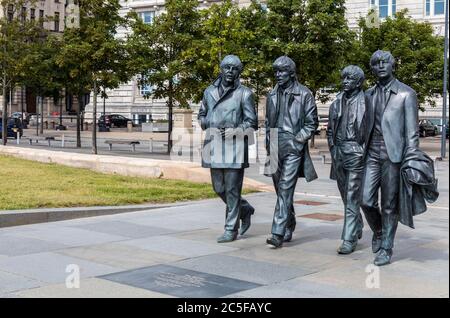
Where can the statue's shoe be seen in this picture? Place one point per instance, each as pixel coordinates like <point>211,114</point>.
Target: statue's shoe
<point>275,240</point>
<point>228,236</point>
<point>347,247</point>
<point>383,257</point>
<point>376,243</point>
<point>288,235</point>
<point>246,222</point>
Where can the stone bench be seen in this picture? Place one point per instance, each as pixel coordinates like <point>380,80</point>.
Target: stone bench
<point>36,139</point>
<point>132,143</point>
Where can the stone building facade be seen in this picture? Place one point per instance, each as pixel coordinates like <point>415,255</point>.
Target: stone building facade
<point>22,98</point>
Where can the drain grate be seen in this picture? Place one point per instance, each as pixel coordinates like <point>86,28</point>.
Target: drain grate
<point>312,203</point>
<point>322,216</point>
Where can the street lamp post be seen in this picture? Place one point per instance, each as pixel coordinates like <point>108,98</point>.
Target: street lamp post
<point>444,104</point>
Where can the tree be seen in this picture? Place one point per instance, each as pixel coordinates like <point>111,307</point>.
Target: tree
<point>222,32</point>
<point>258,68</point>
<point>316,36</point>
<point>92,56</point>
<point>40,71</point>
<point>418,53</point>
<point>157,51</point>
<point>17,33</point>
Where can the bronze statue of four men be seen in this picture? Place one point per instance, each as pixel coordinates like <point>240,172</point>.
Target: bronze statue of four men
<point>373,139</point>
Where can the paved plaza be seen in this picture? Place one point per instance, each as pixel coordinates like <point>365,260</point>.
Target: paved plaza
<point>172,252</point>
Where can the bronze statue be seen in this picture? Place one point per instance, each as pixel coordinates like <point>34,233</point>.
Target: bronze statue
<point>291,120</point>
<point>346,134</point>
<point>228,112</point>
<point>392,134</point>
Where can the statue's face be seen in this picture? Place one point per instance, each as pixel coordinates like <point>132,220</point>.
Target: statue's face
<point>283,76</point>
<point>383,69</point>
<point>230,73</point>
<point>350,83</point>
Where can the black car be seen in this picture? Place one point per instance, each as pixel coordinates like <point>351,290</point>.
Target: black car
<point>113,120</point>
<point>426,128</point>
<point>446,131</point>
<point>14,127</point>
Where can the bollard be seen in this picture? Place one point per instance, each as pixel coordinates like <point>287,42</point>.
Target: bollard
<point>130,126</point>
<point>151,144</point>
<point>18,138</point>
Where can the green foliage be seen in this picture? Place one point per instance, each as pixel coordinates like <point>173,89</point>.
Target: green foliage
<point>418,53</point>
<point>17,41</point>
<point>315,35</point>
<point>157,51</point>
<point>93,51</point>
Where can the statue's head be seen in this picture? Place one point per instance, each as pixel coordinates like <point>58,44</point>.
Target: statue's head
<point>382,64</point>
<point>352,78</point>
<point>231,68</point>
<point>285,70</point>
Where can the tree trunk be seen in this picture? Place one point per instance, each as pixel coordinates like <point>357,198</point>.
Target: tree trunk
<point>80,105</point>
<point>169,142</point>
<point>41,112</point>
<point>94,120</point>
<point>4,114</point>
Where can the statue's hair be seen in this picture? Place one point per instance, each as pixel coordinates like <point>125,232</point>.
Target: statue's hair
<point>354,71</point>
<point>382,55</point>
<point>286,63</point>
<point>232,60</point>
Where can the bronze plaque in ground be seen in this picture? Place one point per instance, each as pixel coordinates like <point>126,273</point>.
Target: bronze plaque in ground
<point>313,203</point>
<point>322,216</point>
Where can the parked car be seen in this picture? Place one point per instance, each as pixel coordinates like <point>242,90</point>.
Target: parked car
<point>113,120</point>
<point>437,122</point>
<point>426,128</point>
<point>18,115</point>
<point>323,125</point>
<point>446,130</point>
<point>14,127</point>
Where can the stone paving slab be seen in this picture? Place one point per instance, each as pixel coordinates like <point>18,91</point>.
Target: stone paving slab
<point>10,282</point>
<point>11,245</point>
<point>244,269</point>
<point>179,247</point>
<point>51,267</point>
<point>120,255</point>
<point>300,288</point>
<point>70,236</point>
<point>90,288</point>
<point>124,229</point>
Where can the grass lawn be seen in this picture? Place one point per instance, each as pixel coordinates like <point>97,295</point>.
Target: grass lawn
<point>27,184</point>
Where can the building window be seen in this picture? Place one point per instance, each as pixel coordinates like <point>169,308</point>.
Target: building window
<point>10,12</point>
<point>146,90</point>
<point>32,14</point>
<point>384,8</point>
<point>148,16</point>
<point>439,7</point>
<point>41,18</point>
<point>56,28</point>
<point>427,7</point>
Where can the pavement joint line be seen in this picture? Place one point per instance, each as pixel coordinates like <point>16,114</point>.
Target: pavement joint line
<point>438,208</point>
<point>317,195</point>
